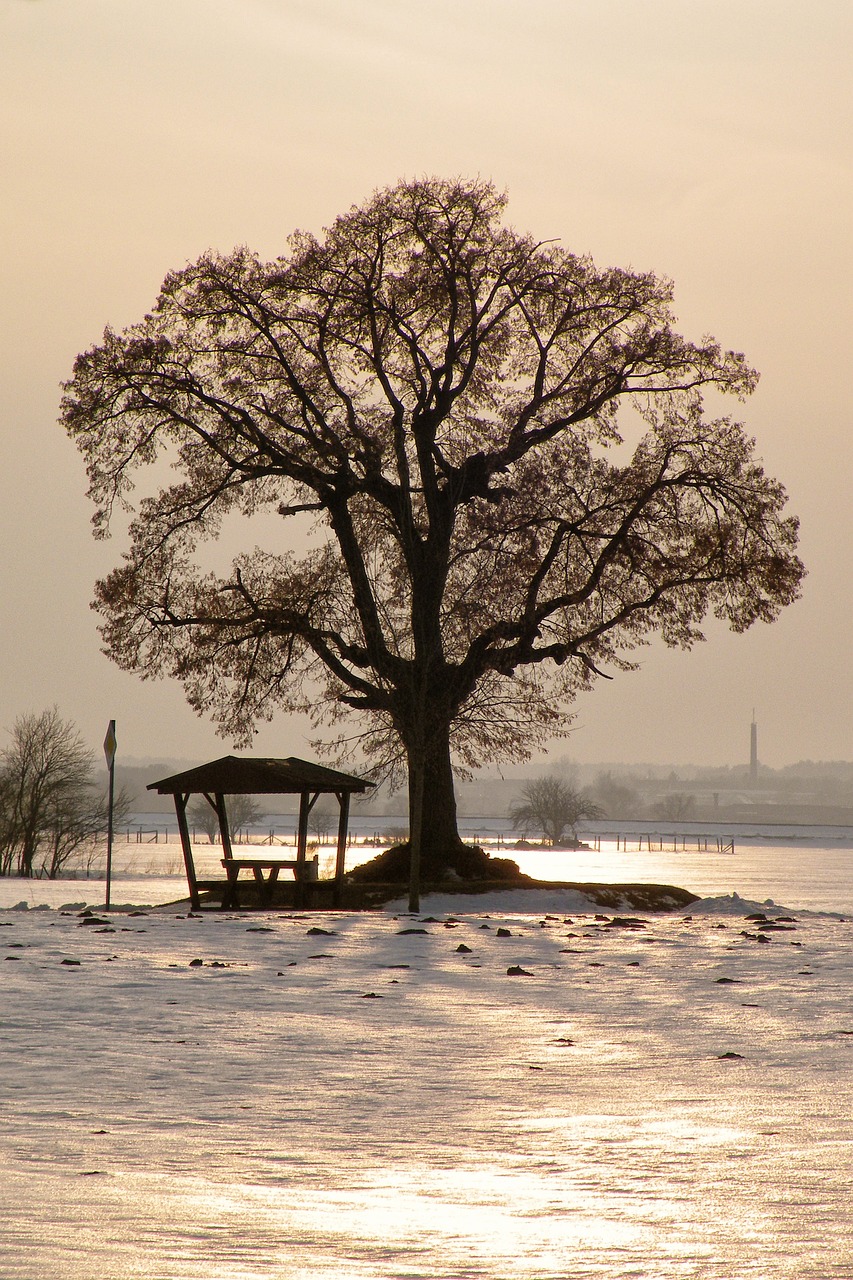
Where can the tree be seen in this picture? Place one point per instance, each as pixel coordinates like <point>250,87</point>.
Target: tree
<point>49,803</point>
<point>615,797</point>
<point>242,811</point>
<point>676,805</point>
<point>550,805</point>
<point>430,402</point>
<point>320,819</point>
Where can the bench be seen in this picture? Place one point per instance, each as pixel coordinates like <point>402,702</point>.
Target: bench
<point>265,884</point>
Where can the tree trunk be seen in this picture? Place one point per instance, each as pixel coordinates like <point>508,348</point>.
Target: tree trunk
<point>439,852</point>
<point>440,841</point>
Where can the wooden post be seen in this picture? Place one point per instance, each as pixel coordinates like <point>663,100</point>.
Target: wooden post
<point>186,846</point>
<point>343,801</point>
<point>305,806</point>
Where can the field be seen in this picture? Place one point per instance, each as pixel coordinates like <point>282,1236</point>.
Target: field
<point>492,1094</point>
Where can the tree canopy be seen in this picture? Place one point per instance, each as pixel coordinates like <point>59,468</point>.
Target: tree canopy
<point>430,402</point>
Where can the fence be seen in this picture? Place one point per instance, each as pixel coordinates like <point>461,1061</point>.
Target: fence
<point>659,842</point>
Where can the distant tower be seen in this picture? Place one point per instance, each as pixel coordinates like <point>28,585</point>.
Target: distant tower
<point>753,751</point>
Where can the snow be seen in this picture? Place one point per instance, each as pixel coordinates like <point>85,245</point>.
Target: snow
<point>373,1102</point>
<point>733,904</point>
<point>524,901</point>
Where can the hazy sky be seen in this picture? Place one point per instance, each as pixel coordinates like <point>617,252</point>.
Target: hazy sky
<point>708,140</point>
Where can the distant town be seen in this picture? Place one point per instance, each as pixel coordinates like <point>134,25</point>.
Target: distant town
<point>805,792</point>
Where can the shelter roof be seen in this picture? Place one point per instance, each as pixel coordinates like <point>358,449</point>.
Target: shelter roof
<point>253,775</point>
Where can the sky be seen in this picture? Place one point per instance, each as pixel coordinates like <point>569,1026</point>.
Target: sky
<point>706,140</point>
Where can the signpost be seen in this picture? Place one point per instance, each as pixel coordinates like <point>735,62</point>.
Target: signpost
<point>110,745</point>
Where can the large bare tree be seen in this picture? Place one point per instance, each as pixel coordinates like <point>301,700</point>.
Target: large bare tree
<point>429,401</point>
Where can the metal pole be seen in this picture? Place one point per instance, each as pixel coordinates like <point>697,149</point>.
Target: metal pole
<point>110,753</point>
<point>341,853</point>
<point>416,823</point>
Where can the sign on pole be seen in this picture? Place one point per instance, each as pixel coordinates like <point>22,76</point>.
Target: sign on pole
<point>110,744</point>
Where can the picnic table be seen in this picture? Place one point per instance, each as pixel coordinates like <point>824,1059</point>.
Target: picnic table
<point>265,883</point>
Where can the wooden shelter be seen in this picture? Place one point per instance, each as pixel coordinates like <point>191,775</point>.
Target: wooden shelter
<point>249,775</point>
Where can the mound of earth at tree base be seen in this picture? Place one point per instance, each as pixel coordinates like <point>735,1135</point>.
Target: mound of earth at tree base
<point>467,869</point>
<point>464,862</point>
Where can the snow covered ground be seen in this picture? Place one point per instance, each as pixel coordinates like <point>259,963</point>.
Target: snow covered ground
<point>242,1097</point>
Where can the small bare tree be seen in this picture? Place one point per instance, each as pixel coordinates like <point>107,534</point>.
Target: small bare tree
<point>616,797</point>
<point>550,805</point>
<point>201,814</point>
<point>320,819</point>
<point>242,811</point>
<point>50,806</point>
<point>676,806</point>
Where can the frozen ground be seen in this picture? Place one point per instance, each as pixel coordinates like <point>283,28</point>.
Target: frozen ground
<point>237,1098</point>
